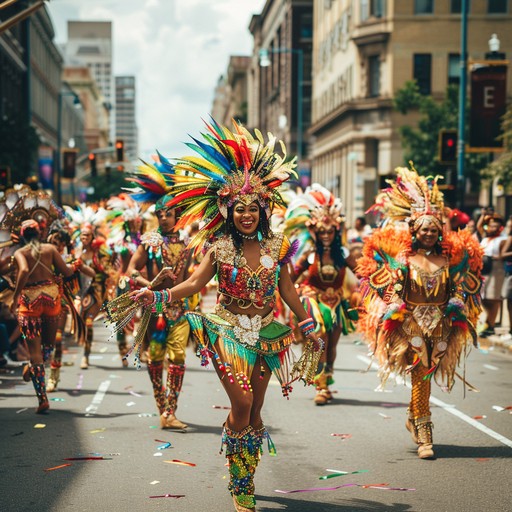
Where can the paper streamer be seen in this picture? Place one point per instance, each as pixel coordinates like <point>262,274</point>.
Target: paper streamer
<point>169,496</point>
<point>57,467</point>
<point>368,486</point>
<point>342,473</point>
<point>179,462</point>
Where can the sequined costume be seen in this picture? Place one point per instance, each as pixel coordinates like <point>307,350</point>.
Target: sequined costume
<point>238,342</point>
<point>417,321</point>
<point>39,302</point>
<point>168,331</point>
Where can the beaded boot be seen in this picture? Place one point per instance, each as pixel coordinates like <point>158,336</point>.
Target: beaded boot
<point>37,376</point>
<point>175,374</point>
<point>155,370</point>
<point>54,377</point>
<point>424,427</point>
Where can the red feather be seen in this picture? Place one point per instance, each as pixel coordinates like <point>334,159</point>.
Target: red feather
<point>236,148</point>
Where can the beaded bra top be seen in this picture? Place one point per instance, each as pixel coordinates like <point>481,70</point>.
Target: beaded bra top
<point>322,277</point>
<point>431,285</point>
<point>242,285</point>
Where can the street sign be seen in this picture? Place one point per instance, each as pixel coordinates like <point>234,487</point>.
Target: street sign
<point>488,105</point>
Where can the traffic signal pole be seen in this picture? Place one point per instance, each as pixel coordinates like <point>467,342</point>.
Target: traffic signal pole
<point>462,102</point>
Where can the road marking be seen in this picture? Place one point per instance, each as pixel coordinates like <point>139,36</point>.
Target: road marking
<point>453,410</point>
<point>490,367</point>
<point>98,398</point>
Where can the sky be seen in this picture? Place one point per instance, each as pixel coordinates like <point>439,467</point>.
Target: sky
<point>177,50</point>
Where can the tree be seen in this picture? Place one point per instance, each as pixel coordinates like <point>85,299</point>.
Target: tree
<point>502,167</point>
<point>421,143</point>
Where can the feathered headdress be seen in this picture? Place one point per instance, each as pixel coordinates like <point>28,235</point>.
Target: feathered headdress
<point>23,203</point>
<point>154,182</point>
<point>316,208</point>
<point>231,166</point>
<point>411,198</point>
<point>85,217</point>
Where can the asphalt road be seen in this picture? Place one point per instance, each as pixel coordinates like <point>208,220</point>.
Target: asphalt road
<point>108,411</point>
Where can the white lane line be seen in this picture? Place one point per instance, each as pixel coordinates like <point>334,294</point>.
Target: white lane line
<point>92,408</point>
<point>453,410</point>
<point>490,367</point>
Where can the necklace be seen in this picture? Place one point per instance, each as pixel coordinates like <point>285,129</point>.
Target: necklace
<point>425,252</point>
<point>248,237</point>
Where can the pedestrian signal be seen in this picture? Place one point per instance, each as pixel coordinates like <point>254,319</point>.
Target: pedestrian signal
<point>448,146</point>
<point>69,163</point>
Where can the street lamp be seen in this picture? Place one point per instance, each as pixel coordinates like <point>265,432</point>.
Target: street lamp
<point>266,62</point>
<point>58,167</point>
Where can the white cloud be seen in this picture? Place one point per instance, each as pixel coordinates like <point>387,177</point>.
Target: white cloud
<point>176,49</point>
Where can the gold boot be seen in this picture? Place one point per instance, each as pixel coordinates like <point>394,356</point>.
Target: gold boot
<point>323,395</point>
<point>169,421</point>
<point>53,380</point>
<point>411,427</point>
<point>425,448</point>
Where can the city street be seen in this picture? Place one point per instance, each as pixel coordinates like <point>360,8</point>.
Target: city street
<point>108,411</point>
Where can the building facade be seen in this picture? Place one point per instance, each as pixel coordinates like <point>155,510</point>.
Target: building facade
<point>231,93</point>
<point>90,44</point>
<point>363,52</point>
<point>280,74</point>
<point>126,116</point>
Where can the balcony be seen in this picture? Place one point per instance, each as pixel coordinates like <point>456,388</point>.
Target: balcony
<point>373,30</point>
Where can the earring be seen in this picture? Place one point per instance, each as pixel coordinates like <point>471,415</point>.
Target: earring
<point>260,236</point>
<point>413,239</point>
<point>440,239</point>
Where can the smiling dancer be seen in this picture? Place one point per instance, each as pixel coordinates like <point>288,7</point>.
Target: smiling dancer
<point>421,301</point>
<point>232,186</point>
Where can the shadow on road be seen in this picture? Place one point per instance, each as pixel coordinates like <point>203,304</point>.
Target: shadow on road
<point>302,505</point>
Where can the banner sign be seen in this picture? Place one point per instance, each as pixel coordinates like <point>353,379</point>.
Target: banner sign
<point>45,166</point>
<point>488,105</point>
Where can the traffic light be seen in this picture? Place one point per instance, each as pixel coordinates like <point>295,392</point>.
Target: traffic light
<point>5,177</point>
<point>69,163</point>
<point>120,150</point>
<point>92,161</point>
<point>448,146</point>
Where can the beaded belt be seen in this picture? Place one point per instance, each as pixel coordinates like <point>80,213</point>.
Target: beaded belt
<point>246,328</point>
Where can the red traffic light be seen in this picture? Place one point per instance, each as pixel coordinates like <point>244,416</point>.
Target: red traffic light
<point>448,146</point>
<point>92,161</point>
<point>120,150</point>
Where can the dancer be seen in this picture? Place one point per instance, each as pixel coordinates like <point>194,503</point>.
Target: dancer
<point>163,255</point>
<point>420,288</point>
<point>93,251</point>
<point>125,219</point>
<point>37,300</point>
<point>232,186</point>
<point>60,238</point>
<point>322,270</point>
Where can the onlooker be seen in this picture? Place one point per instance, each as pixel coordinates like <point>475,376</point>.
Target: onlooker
<point>490,227</point>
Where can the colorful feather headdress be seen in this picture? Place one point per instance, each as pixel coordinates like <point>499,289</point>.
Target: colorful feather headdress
<point>307,213</point>
<point>411,198</point>
<point>153,182</point>
<point>85,217</point>
<point>231,166</point>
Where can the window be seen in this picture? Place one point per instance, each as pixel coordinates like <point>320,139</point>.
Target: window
<point>497,6</point>
<point>372,9</point>
<point>374,76</point>
<point>453,68</point>
<point>456,6</point>
<point>423,6</point>
<point>423,71</point>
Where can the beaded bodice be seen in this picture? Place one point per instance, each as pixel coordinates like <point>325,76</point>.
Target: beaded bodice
<point>323,277</point>
<point>431,287</point>
<point>242,284</point>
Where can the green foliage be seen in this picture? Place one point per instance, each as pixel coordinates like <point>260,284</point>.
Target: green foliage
<point>106,184</point>
<point>19,143</point>
<point>421,142</point>
<point>501,168</point>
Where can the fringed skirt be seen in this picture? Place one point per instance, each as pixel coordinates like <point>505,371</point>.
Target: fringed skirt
<point>238,343</point>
